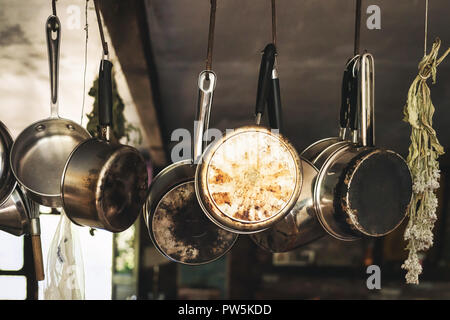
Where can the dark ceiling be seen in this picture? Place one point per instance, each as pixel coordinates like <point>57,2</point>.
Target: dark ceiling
<point>315,39</point>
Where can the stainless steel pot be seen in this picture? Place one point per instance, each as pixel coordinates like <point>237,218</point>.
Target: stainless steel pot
<point>176,223</point>
<point>301,225</point>
<point>104,184</point>
<point>40,152</point>
<point>251,178</point>
<point>362,190</point>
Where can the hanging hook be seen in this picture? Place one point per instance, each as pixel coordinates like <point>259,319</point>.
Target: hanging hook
<point>100,27</point>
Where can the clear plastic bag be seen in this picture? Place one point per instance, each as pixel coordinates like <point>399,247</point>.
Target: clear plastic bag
<point>65,269</point>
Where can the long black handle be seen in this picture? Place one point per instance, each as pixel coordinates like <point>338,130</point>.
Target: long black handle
<point>53,32</point>
<point>353,96</point>
<point>274,103</point>
<point>345,98</point>
<point>264,80</point>
<point>105,93</point>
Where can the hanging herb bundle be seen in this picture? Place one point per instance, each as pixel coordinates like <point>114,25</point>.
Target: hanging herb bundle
<point>422,161</point>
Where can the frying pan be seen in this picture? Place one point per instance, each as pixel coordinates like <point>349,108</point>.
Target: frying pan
<point>177,225</point>
<point>362,190</point>
<point>7,181</point>
<point>301,225</point>
<point>40,152</point>
<point>104,184</point>
<point>251,177</point>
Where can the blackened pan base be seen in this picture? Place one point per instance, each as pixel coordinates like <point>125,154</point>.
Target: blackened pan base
<point>184,233</point>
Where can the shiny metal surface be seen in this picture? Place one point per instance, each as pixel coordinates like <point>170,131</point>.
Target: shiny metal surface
<point>257,188</point>
<point>14,218</point>
<point>348,212</point>
<point>176,224</point>
<point>104,185</point>
<point>7,179</point>
<point>300,226</point>
<point>40,152</point>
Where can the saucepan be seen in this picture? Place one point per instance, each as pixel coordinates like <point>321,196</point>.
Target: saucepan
<point>40,152</point>
<point>251,177</point>
<point>176,223</point>
<point>301,225</point>
<point>363,190</point>
<point>104,184</point>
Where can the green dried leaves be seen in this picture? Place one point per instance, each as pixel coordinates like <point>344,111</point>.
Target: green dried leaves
<point>422,161</point>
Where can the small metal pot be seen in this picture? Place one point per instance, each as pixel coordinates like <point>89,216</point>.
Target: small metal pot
<point>362,190</point>
<point>40,152</point>
<point>104,184</point>
<point>176,224</point>
<point>301,225</point>
<point>250,178</point>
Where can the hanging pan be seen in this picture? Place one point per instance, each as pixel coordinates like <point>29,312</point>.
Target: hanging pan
<point>176,223</point>
<point>301,225</point>
<point>251,177</point>
<point>104,184</point>
<point>40,152</point>
<point>362,190</point>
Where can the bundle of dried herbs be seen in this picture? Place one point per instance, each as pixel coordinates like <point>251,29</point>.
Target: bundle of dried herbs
<point>422,161</point>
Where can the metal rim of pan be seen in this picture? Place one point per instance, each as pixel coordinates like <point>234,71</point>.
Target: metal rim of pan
<point>323,173</point>
<point>10,181</point>
<point>71,125</point>
<point>205,194</point>
<point>350,177</point>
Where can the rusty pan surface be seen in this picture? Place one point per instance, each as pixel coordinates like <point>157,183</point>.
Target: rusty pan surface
<point>249,180</point>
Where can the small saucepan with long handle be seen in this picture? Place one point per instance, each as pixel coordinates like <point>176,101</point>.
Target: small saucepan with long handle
<point>363,190</point>
<point>40,152</point>
<point>104,184</point>
<point>301,225</point>
<point>176,223</point>
<point>251,177</point>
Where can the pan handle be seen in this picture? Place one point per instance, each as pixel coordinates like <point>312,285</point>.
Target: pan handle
<point>274,102</point>
<point>264,80</point>
<point>206,85</point>
<point>367,103</point>
<point>53,32</point>
<point>105,98</point>
<point>352,97</point>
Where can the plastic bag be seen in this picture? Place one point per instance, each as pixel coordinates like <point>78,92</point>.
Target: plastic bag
<point>65,270</point>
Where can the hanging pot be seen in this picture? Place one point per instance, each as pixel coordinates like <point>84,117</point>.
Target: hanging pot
<point>176,223</point>
<point>301,225</point>
<point>104,184</point>
<point>362,190</point>
<point>40,152</point>
<point>251,177</point>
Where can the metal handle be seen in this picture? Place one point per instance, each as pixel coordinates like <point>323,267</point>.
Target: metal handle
<point>205,96</point>
<point>274,105</point>
<point>105,97</point>
<point>367,100</point>
<point>53,32</point>
<point>264,80</point>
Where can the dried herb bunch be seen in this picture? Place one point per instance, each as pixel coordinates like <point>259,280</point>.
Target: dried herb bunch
<point>422,161</point>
